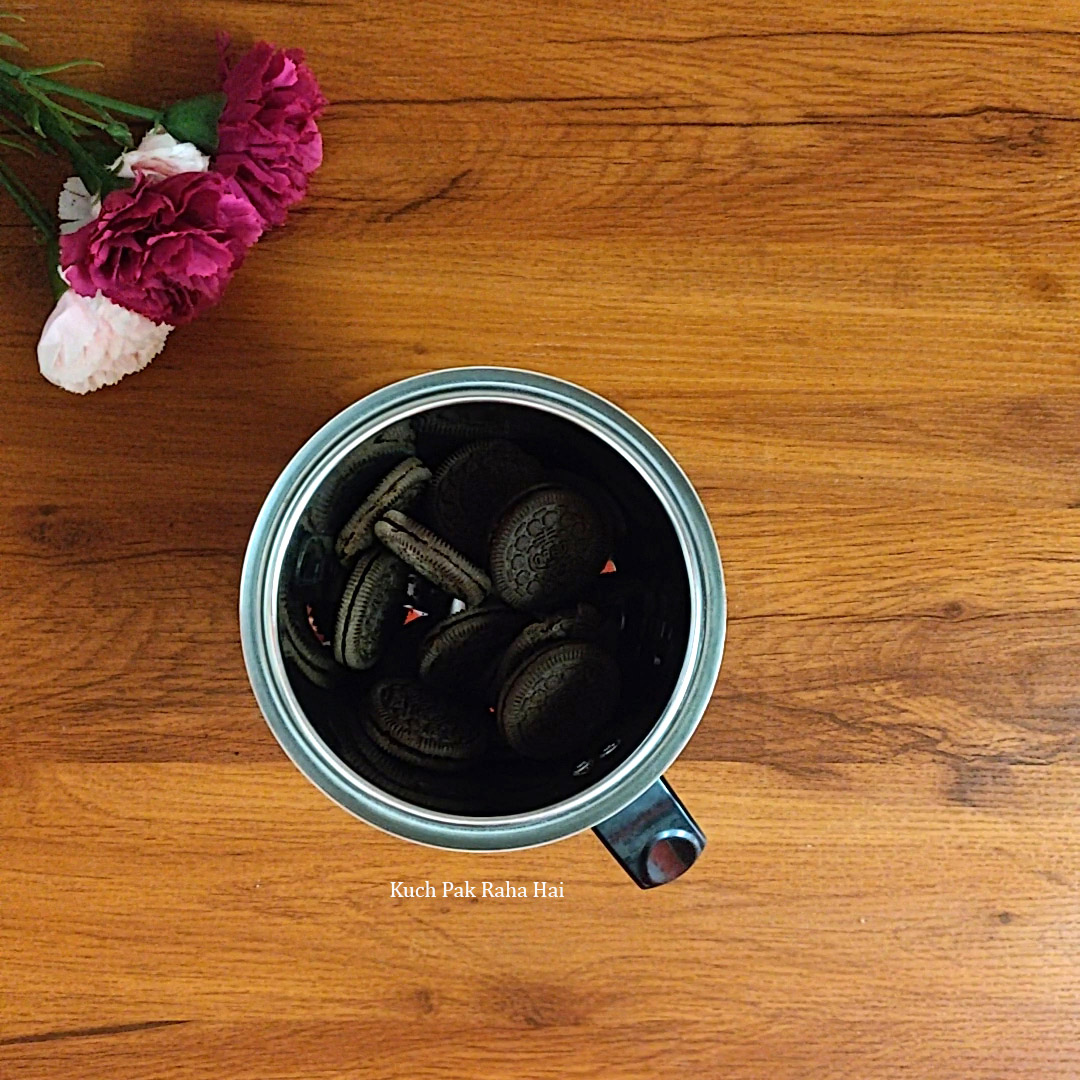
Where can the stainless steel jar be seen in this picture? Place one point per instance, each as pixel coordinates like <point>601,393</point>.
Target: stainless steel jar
<point>625,800</point>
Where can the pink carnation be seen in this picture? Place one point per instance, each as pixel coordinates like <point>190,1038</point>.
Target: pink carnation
<point>163,248</point>
<point>268,140</point>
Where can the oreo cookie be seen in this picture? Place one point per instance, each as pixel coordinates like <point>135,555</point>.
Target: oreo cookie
<point>315,664</point>
<point>411,724</point>
<point>601,499</point>
<point>458,653</point>
<point>548,547</point>
<point>398,490</point>
<point>428,554</point>
<point>449,792</point>
<point>300,644</point>
<point>373,599</point>
<point>441,431</point>
<point>473,485</point>
<point>580,623</point>
<point>555,702</point>
<point>355,476</point>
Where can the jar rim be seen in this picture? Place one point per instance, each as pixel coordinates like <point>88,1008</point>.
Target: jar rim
<point>281,512</point>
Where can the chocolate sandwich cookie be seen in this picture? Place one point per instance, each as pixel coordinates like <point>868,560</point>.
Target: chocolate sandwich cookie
<point>452,793</point>
<point>397,490</point>
<point>601,499</point>
<point>430,555</point>
<point>315,578</point>
<point>581,623</point>
<point>473,485</point>
<point>313,660</point>
<point>548,547</point>
<point>557,700</point>
<point>354,477</point>
<point>410,723</point>
<point>371,604</point>
<point>299,641</point>
<point>458,653</point>
<point>441,431</point>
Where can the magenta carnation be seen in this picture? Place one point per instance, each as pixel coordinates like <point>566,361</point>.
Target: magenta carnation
<point>268,140</point>
<point>165,249</point>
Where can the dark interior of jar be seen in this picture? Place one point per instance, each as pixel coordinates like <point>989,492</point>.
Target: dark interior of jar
<point>643,594</point>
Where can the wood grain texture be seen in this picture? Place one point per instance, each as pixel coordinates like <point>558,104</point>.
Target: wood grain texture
<point>828,253</point>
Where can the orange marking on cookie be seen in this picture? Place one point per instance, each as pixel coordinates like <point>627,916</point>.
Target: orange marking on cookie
<point>314,628</point>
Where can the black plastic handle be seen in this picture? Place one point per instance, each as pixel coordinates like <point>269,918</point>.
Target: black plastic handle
<point>654,838</point>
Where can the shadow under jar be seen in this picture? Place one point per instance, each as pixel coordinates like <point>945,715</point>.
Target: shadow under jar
<point>660,598</point>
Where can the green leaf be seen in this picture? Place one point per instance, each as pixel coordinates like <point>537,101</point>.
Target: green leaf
<point>11,43</point>
<point>11,15</point>
<point>62,114</point>
<point>4,141</point>
<point>14,115</point>
<point>195,120</point>
<point>33,117</point>
<point>96,156</point>
<point>59,130</point>
<point>67,65</point>
<point>120,134</point>
<point>11,122</point>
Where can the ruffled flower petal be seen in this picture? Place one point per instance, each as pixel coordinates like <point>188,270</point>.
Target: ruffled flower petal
<point>89,342</point>
<point>76,205</point>
<point>268,139</point>
<point>163,248</point>
<point>159,155</point>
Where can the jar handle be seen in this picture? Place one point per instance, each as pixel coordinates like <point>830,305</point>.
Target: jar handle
<point>654,838</point>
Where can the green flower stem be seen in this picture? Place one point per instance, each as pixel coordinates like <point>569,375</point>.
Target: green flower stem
<point>51,86</point>
<point>55,128</point>
<point>52,259</point>
<point>63,110</point>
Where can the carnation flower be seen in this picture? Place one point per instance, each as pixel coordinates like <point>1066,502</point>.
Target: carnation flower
<point>76,206</point>
<point>164,249</point>
<point>160,155</point>
<point>152,240</point>
<point>268,140</point>
<point>89,342</point>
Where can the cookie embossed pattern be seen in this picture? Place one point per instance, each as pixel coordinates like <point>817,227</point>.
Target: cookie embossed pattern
<point>483,609</point>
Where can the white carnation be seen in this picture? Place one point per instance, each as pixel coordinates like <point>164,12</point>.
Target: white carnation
<point>89,342</point>
<point>160,155</point>
<point>77,206</point>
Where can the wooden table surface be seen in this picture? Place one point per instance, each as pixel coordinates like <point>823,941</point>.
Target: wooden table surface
<point>828,253</point>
